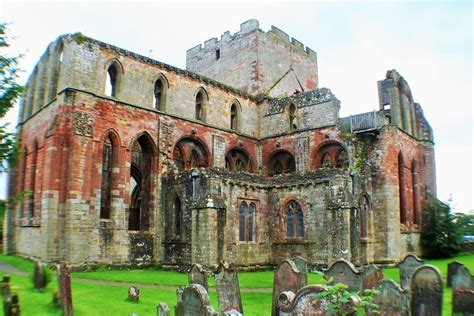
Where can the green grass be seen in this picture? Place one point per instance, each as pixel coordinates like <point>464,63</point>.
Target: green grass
<point>95,299</point>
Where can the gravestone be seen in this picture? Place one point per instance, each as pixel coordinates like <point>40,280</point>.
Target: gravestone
<point>65,293</point>
<point>343,271</point>
<point>452,269</point>
<point>232,313</point>
<point>304,302</point>
<point>407,267</point>
<point>39,277</point>
<point>197,275</point>
<point>133,293</point>
<point>463,302</point>
<point>11,305</point>
<point>287,277</point>
<point>427,291</point>
<point>5,285</point>
<point>193,300</point>
<point>56,301</point>
<point>227,287</point>
<point>392,299</point>
<point>300,263</point>
<point>371,276</point>
<point>163,310</point>
<point>462,279</point>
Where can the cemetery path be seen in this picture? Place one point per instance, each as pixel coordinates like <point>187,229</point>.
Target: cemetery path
<point>5,267</point>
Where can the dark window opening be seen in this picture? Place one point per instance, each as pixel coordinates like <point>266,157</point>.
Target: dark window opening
<point>33,167</point>
<point>218,54</point>
<point>294,220</point>
<point>199,105</point>
<point>178,217</point>
<point>292,117</point>
<point>190,153</point>
<point>281,163</point>
<point>237,160</point>
<point>363,215</point>
<point>106,187</point>
<point>401,188</point>
<point>233,117</point>
<point>158,95</point>
<point>246,221</point>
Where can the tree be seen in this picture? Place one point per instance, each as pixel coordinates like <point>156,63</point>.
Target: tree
<point>440,237</point>
<point>465,222</point>
<point>10,90</point>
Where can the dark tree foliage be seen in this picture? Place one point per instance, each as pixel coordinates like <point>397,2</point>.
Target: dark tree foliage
<point>9,93</point>
<point>441,237</point>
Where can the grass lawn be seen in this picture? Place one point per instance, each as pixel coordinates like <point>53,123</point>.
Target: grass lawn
<point>95,299</point>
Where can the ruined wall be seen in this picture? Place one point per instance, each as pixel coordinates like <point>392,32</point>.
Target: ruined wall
<point>256,62</point>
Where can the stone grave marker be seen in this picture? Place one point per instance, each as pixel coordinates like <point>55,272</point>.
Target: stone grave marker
<point>56,300</point>
<point>193,300</point>
<point>343,271</point>
<point>133,293</point>
<point>11,305</point>
<point>197,275</point>
<point>163,310</point>
<point>5,285</point>
<point>300,263</point>
<point>228,289</point>
<point>463,302</point>
<point>392,299</point>
<point>407,267</point>
<point>65,293</point>
<point>462,279</point>
<point>427,291</point>
<point>371,276</point>
<point>304,302</point>
<point>452,269</point>
<point>39,277</point>
<point>287,277</point>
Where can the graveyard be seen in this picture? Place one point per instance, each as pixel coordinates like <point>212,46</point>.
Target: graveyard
<point>104,291</point>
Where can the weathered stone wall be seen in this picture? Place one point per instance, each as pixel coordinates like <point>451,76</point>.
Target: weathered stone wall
<point>256,62</point>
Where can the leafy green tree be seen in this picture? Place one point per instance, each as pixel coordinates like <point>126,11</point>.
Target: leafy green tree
<point>10,90</point>
<point>465,222</point>
<point>440,237</point>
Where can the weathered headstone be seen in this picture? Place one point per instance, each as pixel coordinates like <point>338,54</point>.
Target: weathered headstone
<point>452,269</point>
<point>5,285</point>
<point>163,310</point>
<point>228,289</point>
<point>39,276</point>
<point>65,293</point>
<point>392,299</point>
<point>343,271</point>
<point>427,291</point>
<point>407,267</point>
<point>11,305</point>
<point>193,300</point>
<point>197,275</point>
<point>300,263</point>
<point>133,293</point>
<point>371,276</point>
<point>463,302</point>
<point>304,302</point>
<point>462,279</point>
<point>287,277</point>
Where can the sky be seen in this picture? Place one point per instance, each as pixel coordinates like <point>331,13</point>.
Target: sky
<point>430,43</point>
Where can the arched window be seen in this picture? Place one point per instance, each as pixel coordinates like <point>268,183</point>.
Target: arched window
<point>281,162</point>
<point>199,106</point>
<point>331,154</point>
<point>342,160</point>
<point>416,207</point>
<point>159,95</point>
<point>294,220</point>
<point>190,153</point>
<point>111,87</point>
<point>106,178</point>
<point>363,216</point>
<point>246,219</point>
<point>292,117</point>
<point>178,217</point>
<point>238,160</point>
<point>233,117</point>
<point>33,166</point>
<point>401,188</point>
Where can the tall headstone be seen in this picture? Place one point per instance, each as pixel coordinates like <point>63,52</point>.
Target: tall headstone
<point>65,293</point>
<point>193,300</point>
<point>5,285</point>
<point>463,302</point>
<point>427,291</point>
<point>197,275</point>
<point>287,277</point>
<point>407,267</point>
<point>392,299</point>
<point>371,276</point>
<point>163,310</point>
<point>343,271</point>
<point>305,302</point>
<point>11,305</point>
<point>462,279</point>
<point>228,289</point>
<point>452,269</point>
<point>39,276</point>
<point>300,263</point>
